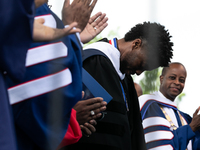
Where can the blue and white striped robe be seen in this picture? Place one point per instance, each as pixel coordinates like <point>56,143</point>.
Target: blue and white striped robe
<point>52,85</point>
<point>15,38</point>
<point>158,135</point>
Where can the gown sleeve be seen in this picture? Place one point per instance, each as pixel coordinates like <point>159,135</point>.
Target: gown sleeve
<point>158,135</point>
<point>73,133</point>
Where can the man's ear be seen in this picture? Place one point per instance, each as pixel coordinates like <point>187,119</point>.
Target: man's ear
<point>161,79</point>
<point>136,43</point>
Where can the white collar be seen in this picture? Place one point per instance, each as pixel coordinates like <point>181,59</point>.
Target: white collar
<point>163,99</point>
<point>157,96</point>
<point>110,51</point>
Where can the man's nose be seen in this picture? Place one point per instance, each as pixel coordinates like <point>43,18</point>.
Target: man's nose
<point>176,81</point>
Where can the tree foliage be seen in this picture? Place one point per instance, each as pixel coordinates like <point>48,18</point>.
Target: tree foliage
<point>150,81</point>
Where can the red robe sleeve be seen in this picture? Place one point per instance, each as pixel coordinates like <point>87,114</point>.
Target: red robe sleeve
<point>73,133</point>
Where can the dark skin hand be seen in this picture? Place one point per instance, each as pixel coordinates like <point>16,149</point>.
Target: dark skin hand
<point>195,124</point>
<point>79,11</point>
<point>88,128</point>
<point>83,113</point>
<point>84,107</point>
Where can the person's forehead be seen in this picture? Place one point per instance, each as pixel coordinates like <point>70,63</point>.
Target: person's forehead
<point>176,69</point>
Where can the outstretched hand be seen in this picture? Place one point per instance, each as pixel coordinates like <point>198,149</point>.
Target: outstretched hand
<point>79,11</point>
<point>195,124</point>
<point>43,33</point>
<point>94,27</point>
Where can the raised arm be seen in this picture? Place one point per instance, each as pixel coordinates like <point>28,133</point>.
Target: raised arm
<point>195,123</point>
<point>78,11</point>
<point>95,25</point>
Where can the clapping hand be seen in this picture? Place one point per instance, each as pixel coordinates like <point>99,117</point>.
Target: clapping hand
<point>95,25</point>
<point>195,124</point>
<point>78,11</point>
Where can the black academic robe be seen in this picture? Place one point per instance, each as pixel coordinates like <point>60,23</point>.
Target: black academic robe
<point>119,129</point>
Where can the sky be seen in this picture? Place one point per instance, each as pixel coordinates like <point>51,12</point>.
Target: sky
<point>180,17</point>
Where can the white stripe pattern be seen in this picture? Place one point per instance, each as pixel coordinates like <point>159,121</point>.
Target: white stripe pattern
<point>162,147</point>
<point>45,53</point>
<point>39,86</point>
<point>158,135</point>
<point>155,121</point>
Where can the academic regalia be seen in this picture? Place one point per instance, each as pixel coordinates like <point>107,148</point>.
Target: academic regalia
<point>120,128</point>
<point>15,38</point>
<point>52,85</point>
<point>73,133</point>
<point>7,133</point>
<point>16,35</point>
<point>159,134</point>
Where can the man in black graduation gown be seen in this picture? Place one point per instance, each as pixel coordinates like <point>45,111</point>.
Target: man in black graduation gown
<point>111,62</point>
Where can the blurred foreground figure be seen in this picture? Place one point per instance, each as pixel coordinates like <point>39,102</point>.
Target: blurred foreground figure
<point>52,84</point>
<point>15,38</point>
<point>17,31</point>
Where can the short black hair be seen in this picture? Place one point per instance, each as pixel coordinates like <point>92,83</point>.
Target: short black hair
<point>158,44</point>
<point>165,69</point>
